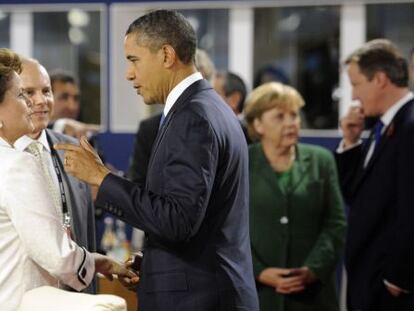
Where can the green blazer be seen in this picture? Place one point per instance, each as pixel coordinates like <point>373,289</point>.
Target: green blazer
<point>303,226</point>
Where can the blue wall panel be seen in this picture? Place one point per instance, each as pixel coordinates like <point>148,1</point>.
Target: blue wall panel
<point>117,148</point>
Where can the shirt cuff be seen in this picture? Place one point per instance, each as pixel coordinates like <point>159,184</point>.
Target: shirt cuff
<point>341,148</point>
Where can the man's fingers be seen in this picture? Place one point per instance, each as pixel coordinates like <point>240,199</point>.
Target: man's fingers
<point>86,145</point>
<point>93,127</point>
<point>67,147</point>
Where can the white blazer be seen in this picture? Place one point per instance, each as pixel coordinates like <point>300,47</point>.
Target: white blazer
<point>34,248</point>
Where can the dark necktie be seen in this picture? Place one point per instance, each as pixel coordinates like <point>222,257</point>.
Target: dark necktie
<point>377,132</point>
<point>162,121</point>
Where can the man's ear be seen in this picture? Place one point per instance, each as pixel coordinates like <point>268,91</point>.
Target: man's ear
<point>381,79</point>
<point>233,101</point>
<point>170,56</point>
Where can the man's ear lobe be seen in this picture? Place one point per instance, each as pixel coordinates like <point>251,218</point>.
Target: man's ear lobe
<point>381,79</point>
<point>170,55</point>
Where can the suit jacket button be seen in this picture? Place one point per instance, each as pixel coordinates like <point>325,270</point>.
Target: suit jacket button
<point>284,220</point>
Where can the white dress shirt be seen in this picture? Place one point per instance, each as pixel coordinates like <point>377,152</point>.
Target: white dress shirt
<point>34,249</point>
<point>386,119</point>
<point>179,89</point>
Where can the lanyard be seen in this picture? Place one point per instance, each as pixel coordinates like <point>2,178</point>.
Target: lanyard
<point>65,211</point>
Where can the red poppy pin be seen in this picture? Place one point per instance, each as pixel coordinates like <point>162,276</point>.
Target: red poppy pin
<point>390,130</point>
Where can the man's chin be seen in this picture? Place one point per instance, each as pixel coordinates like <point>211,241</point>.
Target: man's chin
<point>37,130</point>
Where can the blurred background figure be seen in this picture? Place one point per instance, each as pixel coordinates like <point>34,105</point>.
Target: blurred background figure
<point>233,90</point>
<point>269,73</point>
<point>66,94</point>
<point>66,113</point>
<point>205,65</point>
<point>411,61</point>
<point>297,218</point>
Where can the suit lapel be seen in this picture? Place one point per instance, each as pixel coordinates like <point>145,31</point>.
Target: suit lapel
<point>264,170</point>
<point>179,104</point>
<point>300,168</point>
<point>298,174</point>
<point>389,132</point>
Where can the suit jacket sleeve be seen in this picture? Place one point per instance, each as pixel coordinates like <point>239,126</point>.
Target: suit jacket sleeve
<point>399,267</point>
<point>174,209</point>
<point>349,165</point>
<point>324,256</point>
<point>40,230</point>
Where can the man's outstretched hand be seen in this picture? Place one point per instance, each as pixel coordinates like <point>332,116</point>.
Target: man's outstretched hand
<point>109,267</point>
<point>83,162</point>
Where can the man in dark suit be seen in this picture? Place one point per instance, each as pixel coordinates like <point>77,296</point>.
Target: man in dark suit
<point>194,205</point>
<point>148,128</point>
<point>79,213</point>
<point>376,179</point>
<point>233,90</point>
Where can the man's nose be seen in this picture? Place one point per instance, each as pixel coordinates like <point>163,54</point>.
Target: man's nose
<point>38,99</point>
<point>129,75</point>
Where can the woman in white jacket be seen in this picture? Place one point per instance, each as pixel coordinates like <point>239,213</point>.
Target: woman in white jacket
<point>34,248</point>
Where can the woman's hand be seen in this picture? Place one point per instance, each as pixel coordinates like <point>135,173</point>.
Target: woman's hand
<point>297,281</point>
<point>287,281</point>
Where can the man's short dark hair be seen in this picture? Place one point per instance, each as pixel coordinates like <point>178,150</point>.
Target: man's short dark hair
<point>381,55</point>
<point>63,76</point>
<point>166,27</point>
<point>232,84</point>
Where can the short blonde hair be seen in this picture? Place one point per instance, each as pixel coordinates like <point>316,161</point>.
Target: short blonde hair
<point>268,96</point>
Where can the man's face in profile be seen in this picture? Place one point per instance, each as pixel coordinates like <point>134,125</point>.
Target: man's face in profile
<point>36,84</point>
<point>145,70</point>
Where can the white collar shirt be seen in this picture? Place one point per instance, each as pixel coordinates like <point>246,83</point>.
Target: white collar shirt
<point>386,119</point>
<point>179,89</point>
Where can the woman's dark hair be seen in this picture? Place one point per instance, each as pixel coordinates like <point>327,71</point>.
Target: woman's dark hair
<point>9,62</point>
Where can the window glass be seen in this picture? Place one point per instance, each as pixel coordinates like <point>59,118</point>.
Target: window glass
<point>211,26</point>
<point>4,29</point>
<point>394,22</point>
<point>70,41</point>
<point>300,46</point>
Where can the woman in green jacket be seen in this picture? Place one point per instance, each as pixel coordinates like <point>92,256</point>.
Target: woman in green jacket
<point>297,222</point>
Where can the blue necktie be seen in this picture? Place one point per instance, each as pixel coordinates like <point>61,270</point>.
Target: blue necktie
<point>162,121</point>
<point>377,132</point>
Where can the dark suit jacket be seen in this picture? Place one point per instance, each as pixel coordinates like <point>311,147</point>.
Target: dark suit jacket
<point>79,200</point>
<point>193,208</point>
<point>144,140</point>
<point>381,231</point>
